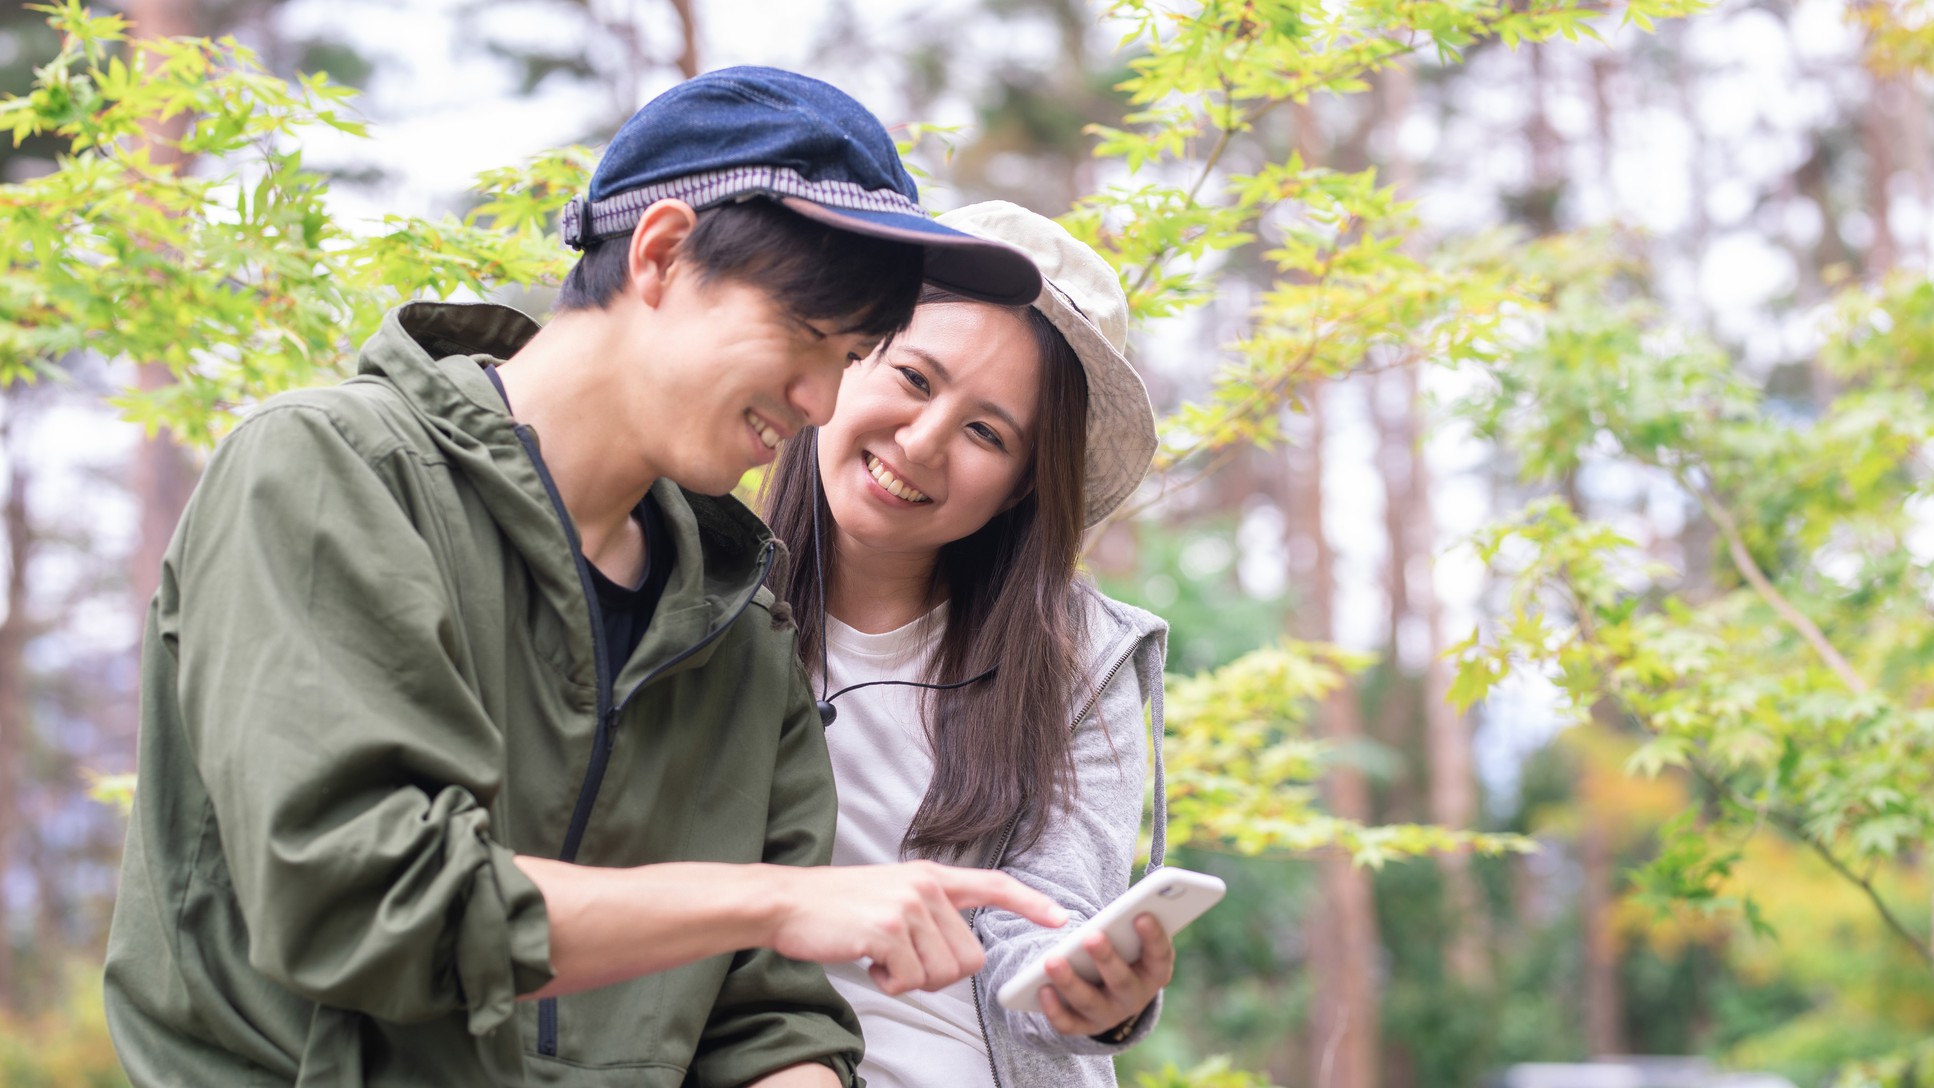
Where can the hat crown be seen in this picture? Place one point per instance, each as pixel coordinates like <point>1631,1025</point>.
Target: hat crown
<point>1068,266</point>
<point>752,116</point>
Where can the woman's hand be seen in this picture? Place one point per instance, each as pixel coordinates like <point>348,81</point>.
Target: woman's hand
<point>1077,1007</point>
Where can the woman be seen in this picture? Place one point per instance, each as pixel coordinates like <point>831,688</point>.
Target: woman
<point>984,704</point>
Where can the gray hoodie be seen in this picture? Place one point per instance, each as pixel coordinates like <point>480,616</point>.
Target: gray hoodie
<point>1083,860</point>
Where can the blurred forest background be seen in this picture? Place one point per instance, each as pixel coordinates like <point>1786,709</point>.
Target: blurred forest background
<point>1548,458</point>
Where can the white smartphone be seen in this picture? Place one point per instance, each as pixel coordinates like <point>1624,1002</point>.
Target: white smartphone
<point>1175,897</point>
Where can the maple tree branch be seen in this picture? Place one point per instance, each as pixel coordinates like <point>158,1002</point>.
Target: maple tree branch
<point>1749,569</point>
<point>1787,822</point>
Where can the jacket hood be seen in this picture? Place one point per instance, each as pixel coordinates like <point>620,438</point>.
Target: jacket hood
<point>435,355</point>
<point>1112,625</point>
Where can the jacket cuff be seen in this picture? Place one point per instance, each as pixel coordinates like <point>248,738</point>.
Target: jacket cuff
<point>1035,1029</point>
<point>503,942</point>
<point>1129,1032</point>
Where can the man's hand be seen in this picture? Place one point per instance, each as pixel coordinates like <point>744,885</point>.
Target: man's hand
<point>614,924</point>
<point>906,918</point>
<point>1076,1006</point>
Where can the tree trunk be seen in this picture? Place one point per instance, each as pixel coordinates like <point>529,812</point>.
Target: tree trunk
<point>1411,526</point>
<point>688,37</point>
<point>163,473</point>
<point>1604,69</point>
<point>1344,1017</point>
<point>1879,131</point>
<point>1401,708</point>
<point>1910,121</point>
<point>1810,179</point>
<point>1397,715</point>
<point>163,476</point>
<point>1447,732</point>
<point>1538,204</point>
<point>14,723</point>
<point>1603,997</point>
<point>1686,89</point>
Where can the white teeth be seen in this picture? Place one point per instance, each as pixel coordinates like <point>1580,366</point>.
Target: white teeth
<point>766,434</point>
<point>891,482</point>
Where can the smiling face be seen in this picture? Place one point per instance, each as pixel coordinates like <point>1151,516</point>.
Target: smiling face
<point>935,434</point>
<point>707,338</point>
<point>732,374</point>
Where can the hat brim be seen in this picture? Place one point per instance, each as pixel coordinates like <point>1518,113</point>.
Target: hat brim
<point>977,268</point>
<point>1121,418</point>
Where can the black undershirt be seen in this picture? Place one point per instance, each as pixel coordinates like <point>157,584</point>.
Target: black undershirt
<point>626,612</point>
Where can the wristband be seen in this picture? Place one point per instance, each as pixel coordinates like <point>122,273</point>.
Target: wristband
<point>1119,1034</point>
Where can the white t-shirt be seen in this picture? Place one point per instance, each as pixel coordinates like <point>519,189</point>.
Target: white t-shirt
<point>882,764</point>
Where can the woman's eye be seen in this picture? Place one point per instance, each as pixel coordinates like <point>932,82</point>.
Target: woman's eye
<point>853,357</point>
<point>914,378</point>
<point>989,435</point>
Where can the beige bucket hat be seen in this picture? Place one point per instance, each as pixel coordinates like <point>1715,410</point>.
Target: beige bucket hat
<point>1082,297</point>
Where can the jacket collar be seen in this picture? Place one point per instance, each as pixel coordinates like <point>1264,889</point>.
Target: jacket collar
<point>435,353</point>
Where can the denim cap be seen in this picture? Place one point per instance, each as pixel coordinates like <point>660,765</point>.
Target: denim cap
<point>747,132</point>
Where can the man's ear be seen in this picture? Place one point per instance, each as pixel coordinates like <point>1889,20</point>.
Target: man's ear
<point>654,247</point>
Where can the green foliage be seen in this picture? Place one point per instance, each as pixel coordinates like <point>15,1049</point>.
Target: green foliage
<point>912,136</point>
<point>1348,287</point>
<point>1861,996</point>
<point>1214,1073</point>
<point>1899,36</point>
<point>1908,1069</point>
<point>1810,1047</point>
<point>1439,1022</point>
<point>65,1046</point>
<point>1187,576</point>
<point>1242,768</point>
<point>1795,688</point>
<point>181,227</point>
<point>116,790</point>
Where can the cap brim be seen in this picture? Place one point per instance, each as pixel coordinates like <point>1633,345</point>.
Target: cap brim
<point>977,268</point>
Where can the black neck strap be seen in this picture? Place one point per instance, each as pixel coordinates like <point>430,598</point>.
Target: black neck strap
<point>827,711</point>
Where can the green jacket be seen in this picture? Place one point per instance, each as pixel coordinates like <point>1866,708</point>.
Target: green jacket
<point>369,679</point>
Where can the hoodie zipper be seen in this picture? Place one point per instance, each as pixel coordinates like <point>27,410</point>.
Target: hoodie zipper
<point>604,740</point>
<point>1007,836</point>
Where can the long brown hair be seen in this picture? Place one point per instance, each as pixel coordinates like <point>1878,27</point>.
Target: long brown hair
<point>1000,746</point>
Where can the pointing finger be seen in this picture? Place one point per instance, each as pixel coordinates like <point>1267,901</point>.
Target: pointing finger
<point>970,888</point>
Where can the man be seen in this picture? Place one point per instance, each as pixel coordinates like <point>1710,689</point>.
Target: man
<point>461,687</point>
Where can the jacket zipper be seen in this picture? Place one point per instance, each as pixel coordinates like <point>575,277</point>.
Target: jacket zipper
<point>603,743</point>
<point>547,1008</point>
<point>605,737</point>
<point>1000,851</point>
<point>607,734</point>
